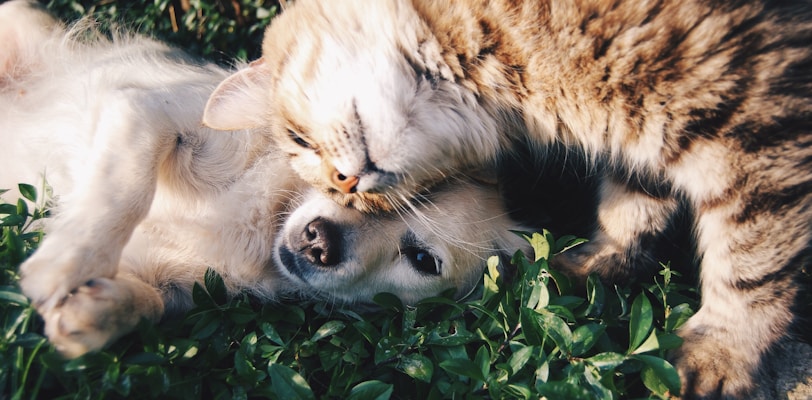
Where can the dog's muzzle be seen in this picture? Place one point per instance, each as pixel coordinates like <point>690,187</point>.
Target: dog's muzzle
<point>316,248</point>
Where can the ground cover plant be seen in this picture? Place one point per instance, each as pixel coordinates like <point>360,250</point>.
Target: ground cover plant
<point>220,30</point>
<point>529,336</point>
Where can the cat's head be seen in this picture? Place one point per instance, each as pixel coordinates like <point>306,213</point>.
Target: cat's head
<point>361,99</point>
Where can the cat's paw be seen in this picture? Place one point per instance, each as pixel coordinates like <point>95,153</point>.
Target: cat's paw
<point>610,261</point>
<point>710,368</point>
<point>95,314</point>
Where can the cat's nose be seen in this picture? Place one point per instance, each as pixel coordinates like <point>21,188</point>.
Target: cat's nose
<point>346,184</point>
<point>320,243</point>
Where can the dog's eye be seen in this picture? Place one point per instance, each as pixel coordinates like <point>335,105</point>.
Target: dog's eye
<point>423,261</point>
<point>298,139</point>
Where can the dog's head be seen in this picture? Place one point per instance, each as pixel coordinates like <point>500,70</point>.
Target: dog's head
<point>342,255</point>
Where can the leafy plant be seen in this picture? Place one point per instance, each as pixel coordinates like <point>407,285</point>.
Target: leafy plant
<point>219,30</point>
<point>533,335</point>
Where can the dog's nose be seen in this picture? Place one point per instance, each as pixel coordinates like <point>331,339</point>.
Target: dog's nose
<point>346,184</point>
<point>321,243</point>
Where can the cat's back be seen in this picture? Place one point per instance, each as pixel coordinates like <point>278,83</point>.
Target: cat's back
<point>643,77</point>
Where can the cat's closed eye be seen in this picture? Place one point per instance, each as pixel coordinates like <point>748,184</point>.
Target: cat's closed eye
<point>296,138</point>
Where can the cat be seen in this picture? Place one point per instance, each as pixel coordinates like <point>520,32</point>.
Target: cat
<point>705,102</point>
<point>146,199</point>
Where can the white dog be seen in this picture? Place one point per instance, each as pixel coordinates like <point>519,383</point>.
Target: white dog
<point>146,199</point>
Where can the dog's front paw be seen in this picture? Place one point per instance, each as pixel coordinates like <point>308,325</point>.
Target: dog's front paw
<point>44,282</point>
<point>710,368</point>
<point>59,267</point>
<point>97,313</point>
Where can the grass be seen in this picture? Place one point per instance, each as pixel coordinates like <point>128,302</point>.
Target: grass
<point>537,335</point>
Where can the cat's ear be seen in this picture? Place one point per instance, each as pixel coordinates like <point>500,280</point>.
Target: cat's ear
<point>240,101</point>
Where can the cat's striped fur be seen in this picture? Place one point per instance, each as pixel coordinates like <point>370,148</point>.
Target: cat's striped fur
<point>703,100</point>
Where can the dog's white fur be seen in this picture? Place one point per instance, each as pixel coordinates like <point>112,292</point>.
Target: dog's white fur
<point>146,198</point>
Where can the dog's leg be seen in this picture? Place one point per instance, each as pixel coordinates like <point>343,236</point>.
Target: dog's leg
<point>132,135</point>
<point>99,312</point>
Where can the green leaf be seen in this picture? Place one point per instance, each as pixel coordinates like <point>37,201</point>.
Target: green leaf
<point>519,358</point>
<point>585,336</point>
<point>659,375</point>
<point>328,329</point>
<point>596,295</point>
<point>215,286</point>
<point>13,297</point>
<point>678,316</point>
<point>455,336</point>
<point>417,366</point>
<point>669,341</point>
<point>556,329</point>
<point>564,390</point>
<point>519,391</point>
<point>651,343</point>
<point>13,220</point>
<point>200,296</point>
<point>606,361</point>
<point>388,301</point>
<point>8,209</point>
<point>543,370</point>
<point>241,315</point>
<point>271,333</point>
<point>483,360</point>
<point>531,326</point>
<point>463,367</point>
<point>206,325</point>
<point>540,244</point>
<point>28,191</point>
<point>22,208</point>
<point>562,282</point>
<point>287,384</point>
<point>567,242</point>
<point>491,287</point>
<point>371,390</point>
<point>640,321</point>
<point>388,348</point>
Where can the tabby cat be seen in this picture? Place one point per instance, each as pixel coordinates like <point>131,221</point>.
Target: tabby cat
<point>706,101</point>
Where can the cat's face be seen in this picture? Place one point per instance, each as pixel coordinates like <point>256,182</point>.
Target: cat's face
<point>342,255</point>
<point>368,115</point>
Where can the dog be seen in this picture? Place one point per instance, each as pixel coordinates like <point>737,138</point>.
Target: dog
<point>146,199</point>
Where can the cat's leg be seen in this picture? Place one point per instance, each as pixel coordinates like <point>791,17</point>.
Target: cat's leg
<point>113,193</point>
<point>99,312</point>
<point>753,245</point>
<point>630,225</point>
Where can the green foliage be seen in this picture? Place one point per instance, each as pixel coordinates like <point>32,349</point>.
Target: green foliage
<point>534,335</point>
<point>219,30</point>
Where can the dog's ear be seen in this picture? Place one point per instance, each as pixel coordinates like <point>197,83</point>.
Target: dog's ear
<point>24,27</point>
<point>240,101</point>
